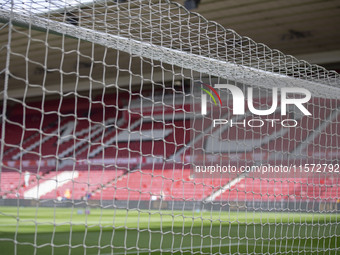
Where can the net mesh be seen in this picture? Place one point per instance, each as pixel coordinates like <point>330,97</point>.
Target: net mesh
<point>108,148</point>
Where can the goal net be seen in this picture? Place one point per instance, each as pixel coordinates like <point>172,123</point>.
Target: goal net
<point>131,127</point>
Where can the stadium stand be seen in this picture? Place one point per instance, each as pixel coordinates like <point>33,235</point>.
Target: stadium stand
<point>102,167</point>
<point>164,184</point>
<point>86,183</point>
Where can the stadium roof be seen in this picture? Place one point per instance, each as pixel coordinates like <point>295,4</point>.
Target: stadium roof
<point>309,30</point>
<point>306,29</point>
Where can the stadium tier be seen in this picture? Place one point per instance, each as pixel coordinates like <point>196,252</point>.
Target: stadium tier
<point>282,189</point>
<point>167,184</point>
<point>132,142</point>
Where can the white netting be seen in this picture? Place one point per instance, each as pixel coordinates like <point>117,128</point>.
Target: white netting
<point>104,147</point>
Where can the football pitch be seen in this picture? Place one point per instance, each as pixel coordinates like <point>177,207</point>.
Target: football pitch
<point>111,231</point>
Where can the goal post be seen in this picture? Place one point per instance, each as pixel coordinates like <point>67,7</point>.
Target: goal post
<point>140,127</point>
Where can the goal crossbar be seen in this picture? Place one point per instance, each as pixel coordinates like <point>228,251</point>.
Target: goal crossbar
<point>195,62</point>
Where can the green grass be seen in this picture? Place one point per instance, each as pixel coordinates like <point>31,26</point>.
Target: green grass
<point>109,231</point>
